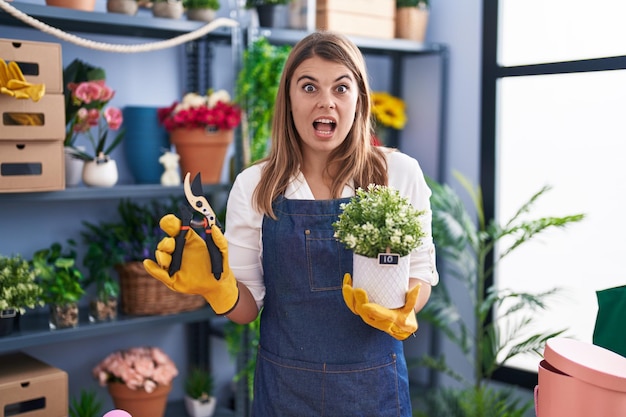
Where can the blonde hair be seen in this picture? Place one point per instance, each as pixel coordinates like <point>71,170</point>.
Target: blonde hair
<point>355,159</point>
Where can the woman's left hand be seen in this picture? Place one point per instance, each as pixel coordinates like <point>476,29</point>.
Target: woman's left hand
<point>399,322</point>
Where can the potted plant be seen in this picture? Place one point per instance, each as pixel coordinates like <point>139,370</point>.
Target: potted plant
<point>18,290</point>
<point>201,10</point>
<point>60,280</point>
<point>465,246</point>
<point>139,379</point>
<point>201,128</point>
<point>85,405</point>
<point>412,19</point>
<point>257,86</point>
<point>199,399</point>
<point>97,259</point>
<point>388,112</point>
<point>382,228</point>
<point>271,13</point>
<point>93,120</point>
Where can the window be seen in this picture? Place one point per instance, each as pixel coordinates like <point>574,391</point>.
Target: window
<point>554,85</point>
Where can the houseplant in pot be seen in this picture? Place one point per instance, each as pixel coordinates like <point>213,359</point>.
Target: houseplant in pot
<point>61,283</point>
<point>168,9</point>
<point>465,242</point>
<point>272,13</point>
<point>139,379</point>
<point>18,290</point>
<point>201,10</point>
<point>412,19</point>
<point>199,399</point>
<point>93,120</point>
<point>103,306</point>
<point>382,228</point>
<point>201,128</point>
<point>86,404</point>
<point>125,242</point>
<point>74,73</point>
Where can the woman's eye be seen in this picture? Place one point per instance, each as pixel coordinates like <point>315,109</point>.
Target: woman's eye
<point>342,89</point>
<point>309,88</point>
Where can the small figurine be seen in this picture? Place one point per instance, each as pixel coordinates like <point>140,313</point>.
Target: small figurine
<point>170,176</point>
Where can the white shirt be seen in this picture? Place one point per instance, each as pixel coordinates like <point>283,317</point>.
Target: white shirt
<point>243,222</point>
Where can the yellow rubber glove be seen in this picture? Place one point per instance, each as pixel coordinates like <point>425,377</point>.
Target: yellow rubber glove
<point>194,276</point>
<point>399,323</point>
<point>13,83</point>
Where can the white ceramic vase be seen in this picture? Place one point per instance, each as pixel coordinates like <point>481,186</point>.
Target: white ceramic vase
<point>100,173</point>
<point>385,282</point>
<point>197,408</point>
<point>73,168</point>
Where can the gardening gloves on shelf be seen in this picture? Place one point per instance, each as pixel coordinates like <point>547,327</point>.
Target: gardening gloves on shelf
<point>13,83</point>
<point>194,276</point>
<point>399,323</point>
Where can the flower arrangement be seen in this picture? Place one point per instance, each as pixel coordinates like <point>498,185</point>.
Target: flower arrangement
<point>379,220</point>
<point>18,286</point>
<point>91,98</point>
<point>388,110</point>
<point>138,368</point>
<point>215,111</point>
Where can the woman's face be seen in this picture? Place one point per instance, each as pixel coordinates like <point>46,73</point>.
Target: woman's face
<point>323,97</point>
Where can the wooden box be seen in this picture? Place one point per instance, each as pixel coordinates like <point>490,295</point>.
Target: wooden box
<point>40,62</point>
<point>369,18</point>
<point>31,166</point>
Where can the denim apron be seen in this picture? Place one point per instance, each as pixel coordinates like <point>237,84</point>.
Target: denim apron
<point>317,358</point>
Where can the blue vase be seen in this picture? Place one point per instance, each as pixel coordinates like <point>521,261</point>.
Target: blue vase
<point>145,140</point>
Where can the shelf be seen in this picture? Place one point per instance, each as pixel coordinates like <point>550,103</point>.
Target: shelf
<point>35,331</point>
<point>108,23</point>
<point>116,192</point>
<point>367,45</point>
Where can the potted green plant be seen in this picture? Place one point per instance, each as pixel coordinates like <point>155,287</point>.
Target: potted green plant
<point>60,280</point>
<point>412,19</point>
<point>199,399</point>
<point>465,246</point>
<point>257,85</point>
<point>18,290</point>
<point>97,260</point>
<point>201,10</point>
<point>86,404</point>
<point>271,13</point>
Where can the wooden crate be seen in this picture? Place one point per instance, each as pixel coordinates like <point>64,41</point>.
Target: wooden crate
<point>370,18</point>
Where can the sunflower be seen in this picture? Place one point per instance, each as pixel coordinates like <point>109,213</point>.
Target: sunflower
<point>388,110</point>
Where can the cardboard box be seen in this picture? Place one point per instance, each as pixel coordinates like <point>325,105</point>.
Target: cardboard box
<point>23,119</point>
<point>40,62</point>
<point>29,387</point>
<point>30,166</point>
<point>370,18</point>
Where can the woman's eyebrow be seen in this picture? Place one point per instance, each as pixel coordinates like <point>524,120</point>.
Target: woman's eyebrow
<point>309,77</point>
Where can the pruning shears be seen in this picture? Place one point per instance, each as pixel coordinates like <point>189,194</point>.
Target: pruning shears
<point>197,202</point>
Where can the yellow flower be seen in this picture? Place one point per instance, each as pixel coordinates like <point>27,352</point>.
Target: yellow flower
<point>388,110</point>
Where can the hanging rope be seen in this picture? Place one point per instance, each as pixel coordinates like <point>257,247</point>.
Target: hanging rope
<point>107,47</point>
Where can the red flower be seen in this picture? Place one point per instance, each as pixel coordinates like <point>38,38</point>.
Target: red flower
<point>195,111</point>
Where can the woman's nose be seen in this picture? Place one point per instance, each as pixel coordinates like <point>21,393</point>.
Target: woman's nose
<point>326,100</point>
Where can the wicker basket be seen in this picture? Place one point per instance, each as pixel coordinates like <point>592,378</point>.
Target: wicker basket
<point>143,295</point>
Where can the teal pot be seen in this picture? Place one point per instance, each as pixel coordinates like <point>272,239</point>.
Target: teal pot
<point>144,142</point>
<point>8,321</point>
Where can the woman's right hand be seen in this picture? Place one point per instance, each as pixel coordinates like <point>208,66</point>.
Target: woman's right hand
<point>194,275</point>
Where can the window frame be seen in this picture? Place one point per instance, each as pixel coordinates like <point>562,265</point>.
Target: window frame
<point>492,72</point>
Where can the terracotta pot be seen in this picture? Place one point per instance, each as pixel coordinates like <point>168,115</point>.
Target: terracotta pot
<point>86,5</point>
<point>411,23</point>
<point>202,151</point>
<point>139,403</point>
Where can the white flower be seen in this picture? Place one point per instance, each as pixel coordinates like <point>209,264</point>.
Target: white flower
<point>220,95</point>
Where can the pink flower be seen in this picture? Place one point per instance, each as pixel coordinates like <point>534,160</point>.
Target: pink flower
<point>138,368</point>
<point>113,117</point>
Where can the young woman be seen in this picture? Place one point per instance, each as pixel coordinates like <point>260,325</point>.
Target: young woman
<point>324,349</point>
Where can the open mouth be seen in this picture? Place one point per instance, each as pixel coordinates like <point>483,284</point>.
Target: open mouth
<point>324,125</point>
